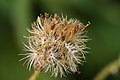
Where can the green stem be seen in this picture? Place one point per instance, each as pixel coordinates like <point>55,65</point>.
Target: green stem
<point>21,12</point>
<point>112,68</point>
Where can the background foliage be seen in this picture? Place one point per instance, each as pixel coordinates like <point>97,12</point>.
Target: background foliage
<point>17,15</point>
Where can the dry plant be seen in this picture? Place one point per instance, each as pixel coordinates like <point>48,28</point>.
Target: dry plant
<point>55,44</point>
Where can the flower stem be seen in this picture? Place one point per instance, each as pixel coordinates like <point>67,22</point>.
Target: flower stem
<point>112,68</point>
<point>34,75</point>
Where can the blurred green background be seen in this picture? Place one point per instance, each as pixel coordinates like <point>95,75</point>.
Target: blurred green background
<point>17,15</point>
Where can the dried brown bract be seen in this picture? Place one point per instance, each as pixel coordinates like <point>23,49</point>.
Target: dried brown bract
<point>56,44</point>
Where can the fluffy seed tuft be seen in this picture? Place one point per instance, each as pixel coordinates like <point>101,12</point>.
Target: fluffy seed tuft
<point>56,44</point>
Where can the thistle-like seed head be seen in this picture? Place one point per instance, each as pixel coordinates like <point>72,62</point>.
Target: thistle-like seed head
<point>56,44</point>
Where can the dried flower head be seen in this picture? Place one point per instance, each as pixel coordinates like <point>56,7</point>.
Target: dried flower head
<point>56,44</point>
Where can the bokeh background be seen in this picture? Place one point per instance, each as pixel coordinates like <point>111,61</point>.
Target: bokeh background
<point>17,15</point>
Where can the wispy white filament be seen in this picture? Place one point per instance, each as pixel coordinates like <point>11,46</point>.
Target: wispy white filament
<point>56,44</point>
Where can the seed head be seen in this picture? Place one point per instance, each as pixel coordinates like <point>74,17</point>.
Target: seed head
<point>56,44</point>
